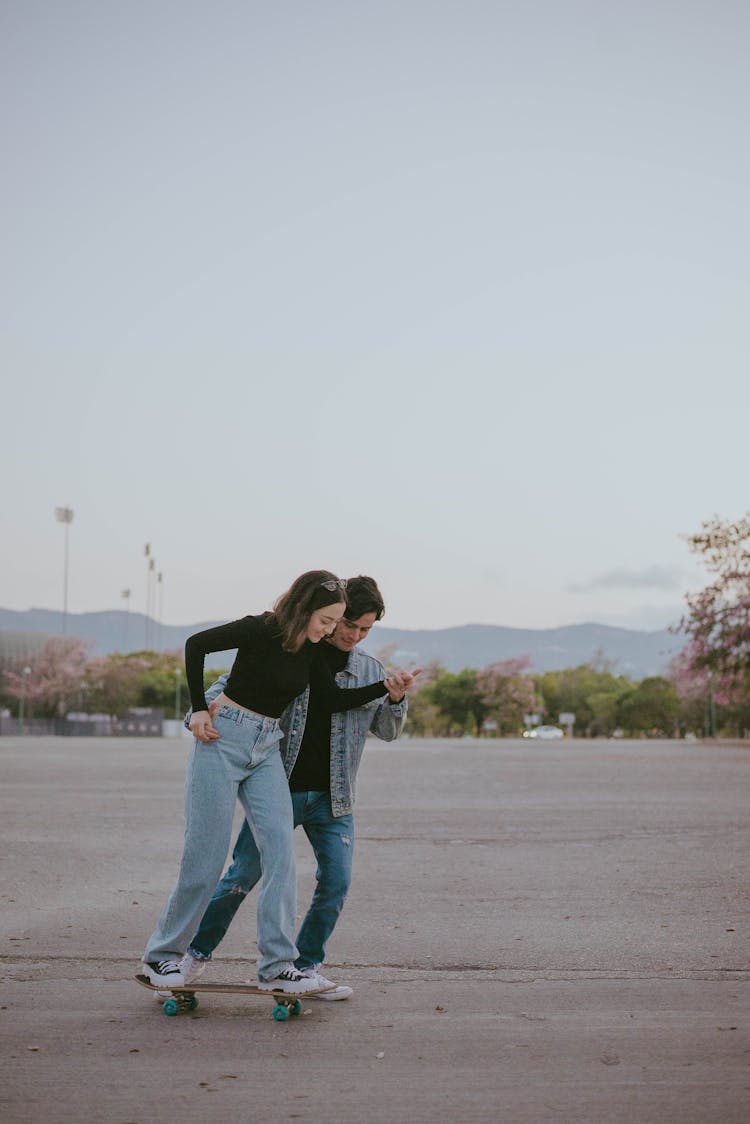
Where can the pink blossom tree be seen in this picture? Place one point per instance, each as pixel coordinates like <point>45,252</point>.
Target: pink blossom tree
<point>717,622</point>
<point>704,693</point>
<point>507,692</point>
<point>56,677</point>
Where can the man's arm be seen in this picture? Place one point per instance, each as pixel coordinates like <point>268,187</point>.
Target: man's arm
<point>390,717</point>
<point>388,723</point>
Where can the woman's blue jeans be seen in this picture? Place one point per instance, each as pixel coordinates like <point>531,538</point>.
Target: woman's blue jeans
<point>332,839</point>
<point>243,763</point>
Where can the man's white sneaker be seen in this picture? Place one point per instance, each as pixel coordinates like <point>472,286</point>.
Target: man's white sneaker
<point>292,982</point>
<point>163,972</point>
<point>192,967</point>
<point>335,991</point>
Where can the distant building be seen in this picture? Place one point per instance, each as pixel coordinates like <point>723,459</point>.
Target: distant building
<point>140,722</point>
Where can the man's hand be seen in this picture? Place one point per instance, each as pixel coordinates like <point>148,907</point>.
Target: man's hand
<point>202,727</point>
<point>399,682</point>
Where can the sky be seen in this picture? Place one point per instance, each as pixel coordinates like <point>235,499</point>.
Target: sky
<point>450,293</point>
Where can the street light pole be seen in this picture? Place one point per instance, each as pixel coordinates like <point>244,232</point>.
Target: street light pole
<point>160,610</point>
<point>149,568</point>
<point>65,515</point>
<point>151,605</point>
<point>22,700</point>
<point>126,597</point>
<point>177,685</point>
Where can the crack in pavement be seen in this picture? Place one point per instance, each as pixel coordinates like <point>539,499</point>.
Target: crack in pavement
<point>506,973</point>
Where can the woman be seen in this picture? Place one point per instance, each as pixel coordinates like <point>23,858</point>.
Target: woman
<point>237,756</point>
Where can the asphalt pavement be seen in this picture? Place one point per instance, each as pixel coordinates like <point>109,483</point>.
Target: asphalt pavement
<point>536,932</point>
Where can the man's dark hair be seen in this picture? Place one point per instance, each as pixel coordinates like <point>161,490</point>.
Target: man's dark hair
<point>363,596</point>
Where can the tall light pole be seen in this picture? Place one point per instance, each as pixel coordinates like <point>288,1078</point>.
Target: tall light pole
<point>160,610</point>
<point>149,568</point>
<point>151,602</point>
<point>65,515</point>
<point>126,598</point>
<point>22,699</point>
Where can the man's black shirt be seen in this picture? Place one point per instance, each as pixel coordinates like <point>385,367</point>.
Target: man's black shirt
<point>312,769</point>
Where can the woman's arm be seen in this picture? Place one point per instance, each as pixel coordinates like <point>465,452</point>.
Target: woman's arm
<point>218,639</point>
<point>332,698</point>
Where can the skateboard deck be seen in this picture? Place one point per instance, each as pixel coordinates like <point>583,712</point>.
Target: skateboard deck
<point>184,999</point>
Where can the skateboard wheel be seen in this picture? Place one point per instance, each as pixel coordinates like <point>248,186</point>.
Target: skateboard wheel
<point>170,1007</point>
<point>280,1013</point>
<point>295,1007</point>
<point>192,1003</point>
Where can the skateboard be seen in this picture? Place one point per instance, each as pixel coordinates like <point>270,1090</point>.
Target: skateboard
<point>184,998</point>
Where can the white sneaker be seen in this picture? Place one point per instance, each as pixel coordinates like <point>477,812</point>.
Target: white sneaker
<point>290,981</point>
<point>335,991</point>
<point>165,973</point>
<point>192,967</point>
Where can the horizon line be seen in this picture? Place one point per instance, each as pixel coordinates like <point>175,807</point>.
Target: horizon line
<point>136,613</point>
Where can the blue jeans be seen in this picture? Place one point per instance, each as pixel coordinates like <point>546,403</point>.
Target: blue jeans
<point>243,763</point>
<point>332,839</point>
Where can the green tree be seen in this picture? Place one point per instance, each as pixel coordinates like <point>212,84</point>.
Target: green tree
<point>117,682</point>
<point>651,706</point>
<point>591,693</point>
<point>158,685</point>
<point>423,718</point>
<point>113,683</point>
<point>604,706</point>
<point>456,698</point>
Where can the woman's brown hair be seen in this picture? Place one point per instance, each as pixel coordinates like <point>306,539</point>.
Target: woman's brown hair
<point>310,591</point>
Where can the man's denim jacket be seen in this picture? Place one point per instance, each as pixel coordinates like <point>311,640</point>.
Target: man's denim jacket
<point>349,728</point>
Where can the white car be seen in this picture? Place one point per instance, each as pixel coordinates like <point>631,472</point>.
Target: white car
<point>544,732</point>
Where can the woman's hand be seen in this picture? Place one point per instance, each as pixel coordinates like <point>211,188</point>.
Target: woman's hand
<point>202,727</point>
<point>399,682</point>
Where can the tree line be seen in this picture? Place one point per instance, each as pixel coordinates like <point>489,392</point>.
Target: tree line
<point>705,691</point>
<point>62,678</point>
<point>504,699</point>
<point>495,701</point>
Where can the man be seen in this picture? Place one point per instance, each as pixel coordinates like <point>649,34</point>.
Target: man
<point>321,754</point>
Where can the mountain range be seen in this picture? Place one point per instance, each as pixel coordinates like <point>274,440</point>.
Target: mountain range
<point>626,651</point>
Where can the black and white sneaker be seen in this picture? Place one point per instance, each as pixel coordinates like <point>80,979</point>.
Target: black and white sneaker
<point>164,972</point>
<point>290,981</point>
